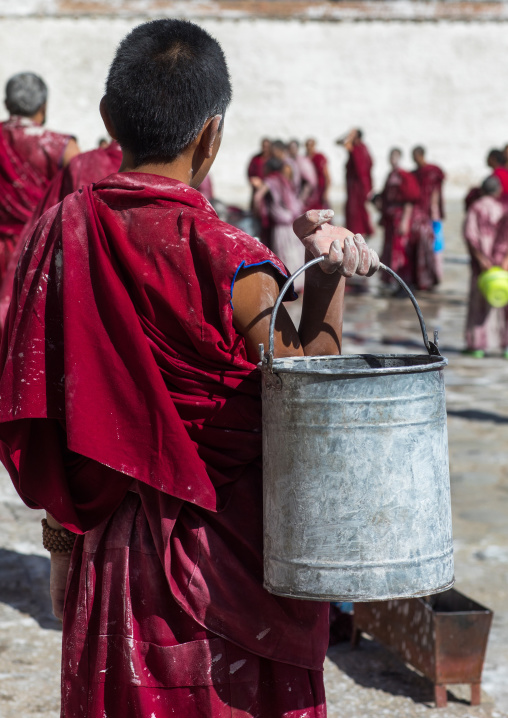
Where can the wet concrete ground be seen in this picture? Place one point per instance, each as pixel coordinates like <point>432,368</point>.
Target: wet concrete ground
<point>370,681</point>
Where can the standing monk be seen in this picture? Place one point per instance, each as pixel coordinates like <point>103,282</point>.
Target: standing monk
<point>30,157</point>
<point>358,183</point>
<point>319,198</point>
<point>431,178</point>
<point>486,237</point>
<point>130,410</point>
<point>398,198</point>
<point>256,166</point>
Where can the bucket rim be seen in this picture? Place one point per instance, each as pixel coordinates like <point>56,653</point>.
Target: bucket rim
<point>310,365</point>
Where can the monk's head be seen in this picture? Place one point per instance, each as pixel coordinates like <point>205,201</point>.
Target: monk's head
<point>294,148</point>
<point>26,95</point>
<point>492,187</point>
<point>395,157</point>
<point>419,155</point>
<point>279,150</point>
<point>310,146</point>
<point>167,93</point>
<point>266,147</point>
<point>495,159</point>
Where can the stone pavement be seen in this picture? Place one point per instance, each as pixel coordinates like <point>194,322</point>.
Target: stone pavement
<point>368,682</point>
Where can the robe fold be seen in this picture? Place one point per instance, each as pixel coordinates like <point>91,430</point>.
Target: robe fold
<point>85,168</point>
<point>430,178</point>
<point>358,187</point>
<point>316,199</point>
<point>120,361</point>
<point>30,156</point>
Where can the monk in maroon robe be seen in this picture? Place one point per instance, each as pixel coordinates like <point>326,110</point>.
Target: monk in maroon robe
<point>430,178</point>
<point>358,183</point>
<point>409,239</point>
<point>256,166</point>
<point>319,198</point>
<point>130,410</point>
<point>30,157</point>
<point>83,169</point>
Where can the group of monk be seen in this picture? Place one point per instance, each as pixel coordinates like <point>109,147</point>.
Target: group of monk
<point>411,203</point>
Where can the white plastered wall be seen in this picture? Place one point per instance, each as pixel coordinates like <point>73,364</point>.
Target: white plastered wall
<point>441,84</point>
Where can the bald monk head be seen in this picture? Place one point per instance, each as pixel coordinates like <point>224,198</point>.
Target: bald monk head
<point>166,97</point>
<point>26,95</point>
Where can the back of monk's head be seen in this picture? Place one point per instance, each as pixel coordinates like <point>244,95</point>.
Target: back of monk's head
<point>168,77</point>
<point>491,186</point>
<point>25,94</point>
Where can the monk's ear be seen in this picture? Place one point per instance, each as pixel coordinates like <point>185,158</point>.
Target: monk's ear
<point>106,118</point>
<point>211,135</point>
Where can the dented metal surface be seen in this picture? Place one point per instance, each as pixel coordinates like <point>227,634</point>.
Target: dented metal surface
<point>356,478</point>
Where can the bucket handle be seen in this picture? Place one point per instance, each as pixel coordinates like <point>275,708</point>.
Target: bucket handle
<point>432,347</point>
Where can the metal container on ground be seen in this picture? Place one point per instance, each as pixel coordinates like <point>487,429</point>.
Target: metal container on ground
<point>444,637</point>
<point>355,475</point>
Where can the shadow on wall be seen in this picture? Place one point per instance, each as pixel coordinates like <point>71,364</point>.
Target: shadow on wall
<point>371,665</point>
<point>24,585</point>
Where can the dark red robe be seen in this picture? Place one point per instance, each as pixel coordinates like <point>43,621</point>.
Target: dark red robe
<point>409,254</point>
<point>83,169</point>
<point>256,166</point>
<point>119,362</point>
<point>30,157</point>
<point>358,187</point>
<point>430,178</point>
<point>317,199</point>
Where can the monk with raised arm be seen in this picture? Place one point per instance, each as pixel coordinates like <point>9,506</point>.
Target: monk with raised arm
<point>30,156</point>
<point>139,431</point>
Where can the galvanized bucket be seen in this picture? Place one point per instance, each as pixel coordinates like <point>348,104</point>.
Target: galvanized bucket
<point>355,473</point>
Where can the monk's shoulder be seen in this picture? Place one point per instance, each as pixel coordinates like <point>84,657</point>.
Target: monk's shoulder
<point>226,237</point>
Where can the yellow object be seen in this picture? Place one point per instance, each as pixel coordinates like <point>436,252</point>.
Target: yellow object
<point>493,285</point>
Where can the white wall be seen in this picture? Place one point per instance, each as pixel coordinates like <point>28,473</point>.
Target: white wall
<point>441,84</point>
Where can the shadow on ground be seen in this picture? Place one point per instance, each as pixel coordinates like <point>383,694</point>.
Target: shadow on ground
<point>24,585</point>
<point>372,665</point>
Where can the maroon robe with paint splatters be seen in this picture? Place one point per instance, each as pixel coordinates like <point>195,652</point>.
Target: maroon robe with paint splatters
<point>124,364</point>
<point>30,157</point>
<point>358,186</point>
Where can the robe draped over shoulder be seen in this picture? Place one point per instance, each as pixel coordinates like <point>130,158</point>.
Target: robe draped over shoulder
<point>120,361</point>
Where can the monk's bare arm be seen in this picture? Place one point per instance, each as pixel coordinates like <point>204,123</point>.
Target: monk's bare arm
<point>320,328</point>
<point>254,295</point>
<point>70,152</point>
<point>320,332</point>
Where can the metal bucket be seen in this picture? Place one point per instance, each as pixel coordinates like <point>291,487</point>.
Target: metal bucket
<point>355,473</point>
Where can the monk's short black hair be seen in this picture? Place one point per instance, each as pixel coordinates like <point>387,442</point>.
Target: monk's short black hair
<point>168,77</point>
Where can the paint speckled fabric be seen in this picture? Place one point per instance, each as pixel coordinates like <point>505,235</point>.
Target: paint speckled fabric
<point>120,361</point>
<point>84,169</point>
<point>131,651</point>
<point>30,156</point>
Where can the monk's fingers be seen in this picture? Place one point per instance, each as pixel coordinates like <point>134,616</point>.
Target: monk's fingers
<point>335,258</point>
<point>363,255</point>
<point>351,258</point>
<point>307,223</point>
<point>374,263</point>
